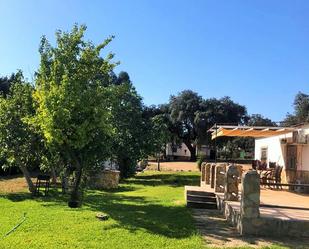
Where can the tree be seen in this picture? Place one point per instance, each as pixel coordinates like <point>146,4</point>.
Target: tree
<point>73,103</point>
<point>192,116</point>
<point>183,109</point>
<point>259,120</point>
<point>6,82</point>
<point>160,135</point>
<point>245,143</point>
<point>19,142</point>
<point>301,110</point>
<point>129,141</point>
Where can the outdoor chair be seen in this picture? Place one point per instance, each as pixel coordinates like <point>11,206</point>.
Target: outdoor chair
<point>274,176</point>
<point>42,181</point>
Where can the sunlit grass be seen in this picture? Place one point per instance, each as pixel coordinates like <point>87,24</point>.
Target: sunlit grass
<point>145,212</point>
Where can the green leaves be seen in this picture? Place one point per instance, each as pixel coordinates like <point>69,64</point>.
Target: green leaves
<point>72,102</point>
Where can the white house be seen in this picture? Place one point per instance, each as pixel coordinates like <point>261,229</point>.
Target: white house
<point>285,146</point>
<point>181,152</point>
<point>290,150</point>
<point>175,151</point>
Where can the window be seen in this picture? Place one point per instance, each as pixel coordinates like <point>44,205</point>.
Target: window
<point>264,154</point>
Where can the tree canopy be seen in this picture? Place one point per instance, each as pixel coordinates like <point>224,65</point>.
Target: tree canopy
<point>19,141</point>
<point>191,116</point>
<point>301,110</point>
<point>72,101</point>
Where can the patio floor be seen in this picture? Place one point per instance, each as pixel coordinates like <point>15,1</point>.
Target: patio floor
<point>283,204</point>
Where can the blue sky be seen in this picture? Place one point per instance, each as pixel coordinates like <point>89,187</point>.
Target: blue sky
<point>256,52</point>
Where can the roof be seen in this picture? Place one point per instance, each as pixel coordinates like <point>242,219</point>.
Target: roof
<point>248,131</point>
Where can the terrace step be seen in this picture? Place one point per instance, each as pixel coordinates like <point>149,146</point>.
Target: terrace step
<point>201,198</point>
<point>202,204</point>
<point>200,193</point>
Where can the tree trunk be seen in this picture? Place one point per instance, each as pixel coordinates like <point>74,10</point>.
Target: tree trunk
<point>158,160</point>
<point>27,177</point>
<point>76,194</point>
<point>192,150</point>
<point>53,175</point>
<point>65,181</point>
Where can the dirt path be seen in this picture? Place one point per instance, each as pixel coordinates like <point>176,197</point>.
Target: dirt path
<point>217,233</point>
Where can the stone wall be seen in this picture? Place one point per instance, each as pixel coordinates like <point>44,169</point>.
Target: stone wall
<point>106,179</point>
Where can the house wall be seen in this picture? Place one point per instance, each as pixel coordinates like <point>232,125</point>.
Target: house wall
<point>277,153</point>
<point>182,151</point>
<point>276,150</point>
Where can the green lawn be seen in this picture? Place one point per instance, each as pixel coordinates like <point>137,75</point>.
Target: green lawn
<point>147,211</point>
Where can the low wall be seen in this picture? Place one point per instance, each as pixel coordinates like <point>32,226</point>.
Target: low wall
<point>262,226</point>
<point>106,179</point>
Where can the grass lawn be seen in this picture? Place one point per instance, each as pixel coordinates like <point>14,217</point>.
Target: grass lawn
<point>147,211</point>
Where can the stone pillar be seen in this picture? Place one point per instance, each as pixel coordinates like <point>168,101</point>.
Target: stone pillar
<point>250,221</point>
<point>250,195</point>
<point>240,171</point>
<point>219,177</point>
<point>203,173</point>
<point>231,184</point>
<point>212,175</point>
<point>207,173</point>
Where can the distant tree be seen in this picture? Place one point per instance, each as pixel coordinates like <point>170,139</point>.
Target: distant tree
<point>301,110</point>
<point>231,146</point>
<point>6,82</point>
<point>182,110</point>
<point>259,120</point>
<point>192,116</point>
<point>161,135</point>
<point>73,103</point>
<point>129,141</point>
<point>19,143</point>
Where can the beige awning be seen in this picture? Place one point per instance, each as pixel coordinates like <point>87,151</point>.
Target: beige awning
<point>248,131</point>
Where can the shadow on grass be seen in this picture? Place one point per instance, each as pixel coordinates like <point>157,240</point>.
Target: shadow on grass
<point>130,212</point>
<point>134,213</point>
<point>176,180</point>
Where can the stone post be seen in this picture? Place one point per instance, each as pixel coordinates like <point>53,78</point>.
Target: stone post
<point>231,183</point>
<point>212,175</point>
<point>203,166</point>
<point>207,173</point>
<point>219,177</point>
<point>240,171</point>
<point>250,204</point>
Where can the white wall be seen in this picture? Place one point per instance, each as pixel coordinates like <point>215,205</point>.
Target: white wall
<point>277,151</point>
<point>182,150</point>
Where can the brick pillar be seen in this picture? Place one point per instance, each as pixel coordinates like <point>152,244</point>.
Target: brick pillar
<point>219,177</point>
<point>231,183</point>
<point>207,173</point>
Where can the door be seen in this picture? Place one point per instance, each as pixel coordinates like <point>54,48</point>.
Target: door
<point>291,157</point>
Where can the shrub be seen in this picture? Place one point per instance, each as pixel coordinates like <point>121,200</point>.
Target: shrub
<point>199,162</point>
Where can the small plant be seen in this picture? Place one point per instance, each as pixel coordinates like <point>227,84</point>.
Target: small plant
<point>199,162</point>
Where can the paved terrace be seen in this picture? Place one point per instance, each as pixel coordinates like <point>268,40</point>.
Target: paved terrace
<point>283,204</point>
